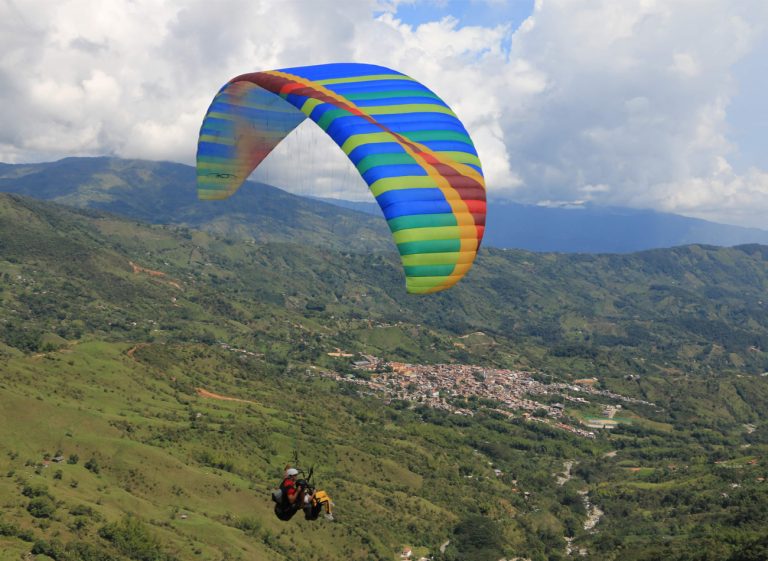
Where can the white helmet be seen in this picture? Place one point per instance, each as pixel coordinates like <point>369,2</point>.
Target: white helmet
<point>292,471</point>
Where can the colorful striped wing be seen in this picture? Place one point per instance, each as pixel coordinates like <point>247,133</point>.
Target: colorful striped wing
<point>242,126</point>
<point>407,144</point>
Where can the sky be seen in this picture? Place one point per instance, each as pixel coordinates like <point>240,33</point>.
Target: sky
<point>656,104</point>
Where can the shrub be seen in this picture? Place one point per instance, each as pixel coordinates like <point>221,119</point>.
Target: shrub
<point>26,535</point>
<point>8,529</point>
<point>79,524</point>
<point>33,491</point>
<point>478,538</point>
<point>41,507</point>
<point>92,465</point>
<point>132,539</point>
<point>87,552</point>
<point>83,510</point>
<point>249,525</point>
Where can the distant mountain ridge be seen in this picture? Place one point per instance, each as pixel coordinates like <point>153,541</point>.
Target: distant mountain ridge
<point>593,229</point>
<point>164,192</point>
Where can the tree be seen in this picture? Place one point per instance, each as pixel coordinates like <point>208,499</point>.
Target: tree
<point>41,507</point>
<point>478,539</point>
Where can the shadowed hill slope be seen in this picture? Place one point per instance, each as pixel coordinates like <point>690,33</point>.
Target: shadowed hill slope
<point>165,193</point>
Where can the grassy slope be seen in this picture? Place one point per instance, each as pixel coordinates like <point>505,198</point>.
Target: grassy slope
<point>158,444</point>
<point>685,314</point>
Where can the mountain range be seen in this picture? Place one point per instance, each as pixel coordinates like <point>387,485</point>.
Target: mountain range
<point>162,192</point>
<point>592,229</point>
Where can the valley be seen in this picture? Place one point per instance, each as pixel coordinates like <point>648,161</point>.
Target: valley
<point>118,340</point>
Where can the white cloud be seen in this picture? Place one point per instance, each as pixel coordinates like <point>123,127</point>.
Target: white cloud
<point>720,196</point>
<point>621,103</point>
<point>636,101</point>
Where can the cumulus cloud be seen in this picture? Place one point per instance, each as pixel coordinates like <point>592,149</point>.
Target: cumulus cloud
<point>636,101</point>
<point>621,103</point>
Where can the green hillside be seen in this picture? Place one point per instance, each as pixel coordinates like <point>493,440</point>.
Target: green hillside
<point>108,327</point>
<point>165,193</point>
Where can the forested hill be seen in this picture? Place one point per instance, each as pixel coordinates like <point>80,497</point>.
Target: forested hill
<point>111,329</point>
<point>686,310</point>
<point>165,193</point>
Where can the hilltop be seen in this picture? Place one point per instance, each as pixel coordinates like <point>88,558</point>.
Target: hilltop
<point>164,193</point>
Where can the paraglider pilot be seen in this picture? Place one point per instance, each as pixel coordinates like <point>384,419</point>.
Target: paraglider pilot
<point>295,494</point>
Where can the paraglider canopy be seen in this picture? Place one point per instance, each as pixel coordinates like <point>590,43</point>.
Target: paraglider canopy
<point>406,143</point>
